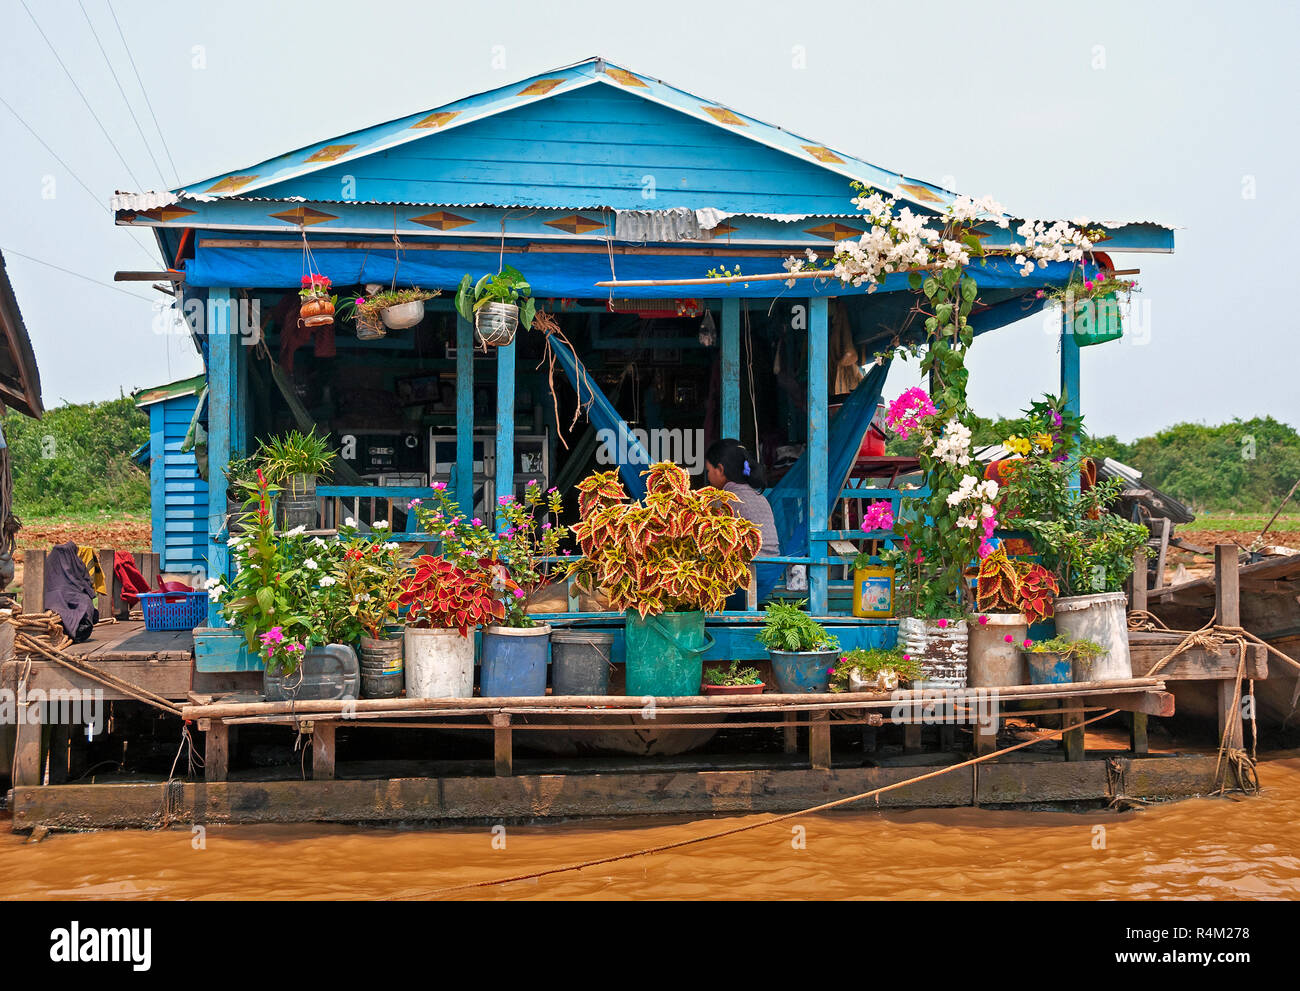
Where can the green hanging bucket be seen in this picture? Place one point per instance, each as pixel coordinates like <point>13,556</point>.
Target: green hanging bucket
<point>1097,321</point>
<point>665,653</point>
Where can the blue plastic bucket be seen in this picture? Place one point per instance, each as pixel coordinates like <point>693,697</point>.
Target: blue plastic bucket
<point>1046,668</point>
<point>803,672</point>
<point>514,661</point>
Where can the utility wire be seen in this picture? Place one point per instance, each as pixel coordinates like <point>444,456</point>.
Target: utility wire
<point>108,137</point>
<point>113,72</point>
<point>149,103</point>
<point>68,271</point>
<point>89,192</point>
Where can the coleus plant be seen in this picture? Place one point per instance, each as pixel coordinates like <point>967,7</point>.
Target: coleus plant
<point>1003,585</point>
<point>680,550</point>
<point>442,596</point>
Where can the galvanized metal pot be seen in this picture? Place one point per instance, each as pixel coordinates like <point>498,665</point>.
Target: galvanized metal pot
<point>296,503</point>
<point>941,650</point>
<point>803,672</point>
<point>496,323</point>
<point>382,672</point>
<point>403,315</point>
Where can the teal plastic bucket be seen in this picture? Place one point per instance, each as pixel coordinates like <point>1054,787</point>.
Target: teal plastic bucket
<point>665,654</point>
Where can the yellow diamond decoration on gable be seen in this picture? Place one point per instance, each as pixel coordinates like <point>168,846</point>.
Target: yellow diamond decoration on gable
<point>920,192</point>
<point>165,213</point>
<point>624,77</point>
<point>304,216</point>
<point>724,116</point>
<point>833,231</point>
<point>722,230</point>
<point>438,119</point>
<point>823,154</point>
<point>575,224</point>
<point>231,184</point>
<point>541,87</point>
<point>442,220</point>
<point>329,153</point>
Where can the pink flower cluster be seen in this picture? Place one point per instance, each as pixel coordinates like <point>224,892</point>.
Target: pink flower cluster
<point>986,542</point>
<point>906,412</point>
<point>879,516</point>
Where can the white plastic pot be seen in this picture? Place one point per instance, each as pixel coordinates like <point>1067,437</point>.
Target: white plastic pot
<point>993,661</point>
<point>1102,617</point>
<point>439,664</point>
<point>940,650</point>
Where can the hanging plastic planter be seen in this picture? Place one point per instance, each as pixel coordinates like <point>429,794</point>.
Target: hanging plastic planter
<point>404,315</point>
<point>497,305</point>
<point>369,326</point>
<point>317,306</point>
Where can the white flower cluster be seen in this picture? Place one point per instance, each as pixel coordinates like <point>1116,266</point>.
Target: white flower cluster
<point>215,588</point>
<point>971,489</point>
<point>1058,243</point>
<point>966,209</point>
<point>954,446</point>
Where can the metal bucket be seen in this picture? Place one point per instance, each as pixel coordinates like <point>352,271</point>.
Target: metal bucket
<point>439,664</point>
<point>403,315</point>
<point>383,673</point>
<point>995,661</point>
<point>941,650</point>
<point>296,505</point>
<point>496,323</point>
<point>580,662</point>
<point>1102,617</point>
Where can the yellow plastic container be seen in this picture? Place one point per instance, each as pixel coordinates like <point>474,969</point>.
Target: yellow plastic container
<point>873,592</point>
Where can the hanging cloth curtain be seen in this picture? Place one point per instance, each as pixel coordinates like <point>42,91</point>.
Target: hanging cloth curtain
<point>848,427</point>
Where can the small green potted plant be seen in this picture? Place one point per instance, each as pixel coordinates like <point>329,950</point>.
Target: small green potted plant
<point>874,669</point>
<point>1061,659</point>
<point>802,652</point>
<point>293,463</point>
<point>732,679</point>
<point>241,487</point>
<point>497,304</point>
<point>397,309</point>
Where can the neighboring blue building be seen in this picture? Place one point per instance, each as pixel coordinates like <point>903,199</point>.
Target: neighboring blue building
<point>178,495</point>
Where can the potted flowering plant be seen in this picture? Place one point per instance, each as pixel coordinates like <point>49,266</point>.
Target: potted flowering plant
<point>369,573</point>
<point>496,304</point>
<point>293,463</point>
<point>873,582</point>
<point>317,306</point>
<point>1010,595</point>
<point>1061,659</point>
<point>666,562</point>
<point>802,652</point>
<point>286,599</point>
<point>446,603</point>
<point>397,309</point>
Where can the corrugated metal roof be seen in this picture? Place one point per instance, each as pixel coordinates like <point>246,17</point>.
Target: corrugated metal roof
<point>20,379</point>
<point>545,86</point>
<point>172,390</point>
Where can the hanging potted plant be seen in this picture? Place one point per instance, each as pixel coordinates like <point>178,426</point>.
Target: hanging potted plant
<point>802,652</point>
<point>666,562</point>
<point>287,600</point>
<point>396,309</point>
<point>317,306</point>
<point>497,304</point>
<point>732,680</point>
<point>370,572</point>
<point>446,605</point>
<point>293,463</point>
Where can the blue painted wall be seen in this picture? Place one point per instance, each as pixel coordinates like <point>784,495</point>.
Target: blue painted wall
<point>178,496</point>
<point>595,146</point>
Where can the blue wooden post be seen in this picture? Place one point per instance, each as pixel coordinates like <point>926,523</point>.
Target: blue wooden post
<point>505,479</point>
<point>158,480</point>
<point>731,368</point>
<point>223,398</point>
<point>464,479</point>
<point>1070,376</point>
<point>818,461</point>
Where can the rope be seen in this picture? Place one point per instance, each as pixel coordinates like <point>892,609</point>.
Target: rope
<point>549,327</point>
<point>24,642</point>
<point>874,793</point>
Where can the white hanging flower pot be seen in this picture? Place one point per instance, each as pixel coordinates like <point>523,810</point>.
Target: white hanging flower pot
<point>404,315</point>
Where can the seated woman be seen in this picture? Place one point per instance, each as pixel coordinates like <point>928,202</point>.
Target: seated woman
<point>729,467</point>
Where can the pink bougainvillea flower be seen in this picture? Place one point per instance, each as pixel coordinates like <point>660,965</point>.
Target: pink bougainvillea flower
<point>943,624</point>
<point>1009,638</point>
<point>906,412</point>
<point>984,621</point>
<point>440,486</point>
<point>879,516</point>
<point>519,593</point>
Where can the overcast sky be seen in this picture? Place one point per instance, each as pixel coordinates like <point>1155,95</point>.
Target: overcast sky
<point>1185,113</point>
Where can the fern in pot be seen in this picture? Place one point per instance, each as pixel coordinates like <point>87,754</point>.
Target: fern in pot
<point>802,652</point>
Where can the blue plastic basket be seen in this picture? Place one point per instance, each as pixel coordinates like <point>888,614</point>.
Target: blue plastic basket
<point>173,610</point>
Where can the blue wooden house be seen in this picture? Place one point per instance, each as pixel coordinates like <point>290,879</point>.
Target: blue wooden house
<point>582,175</point>
<point>178,495</point>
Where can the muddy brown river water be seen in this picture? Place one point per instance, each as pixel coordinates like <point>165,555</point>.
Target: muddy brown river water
<point>1197,849</point>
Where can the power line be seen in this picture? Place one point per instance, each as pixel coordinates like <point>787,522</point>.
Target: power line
<point>113,72</point>
<point>89,192</point>
<point>149,103</point>
<point>138,184</point>
<point>68,271</point>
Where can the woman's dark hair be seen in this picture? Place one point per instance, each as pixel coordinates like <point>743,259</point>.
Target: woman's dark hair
<point>737,464</point>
